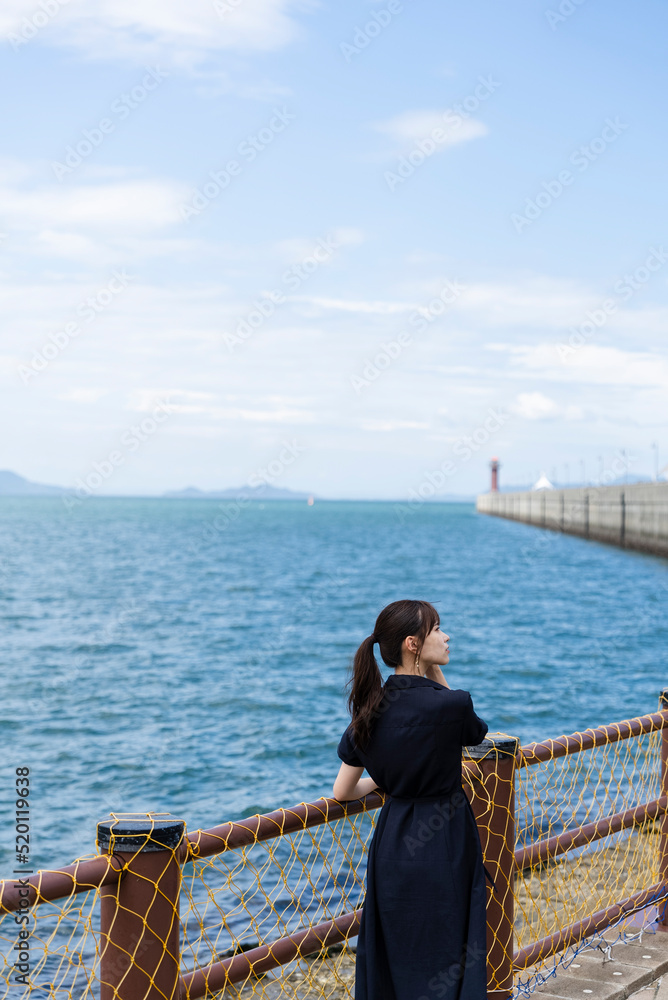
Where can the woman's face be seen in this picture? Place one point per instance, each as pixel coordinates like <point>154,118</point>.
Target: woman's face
<point>435,649</point>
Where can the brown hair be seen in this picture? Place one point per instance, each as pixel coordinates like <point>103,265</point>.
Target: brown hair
<point>393,624</point>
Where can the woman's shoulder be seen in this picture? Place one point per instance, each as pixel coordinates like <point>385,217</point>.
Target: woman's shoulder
<point>457,699</point>
<point>347,749</point>
<point>455,694</point>
<point>463,695</point>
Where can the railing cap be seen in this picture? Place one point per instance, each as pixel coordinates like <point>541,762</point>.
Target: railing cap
<point>494,744</point>
<point>131,833</point>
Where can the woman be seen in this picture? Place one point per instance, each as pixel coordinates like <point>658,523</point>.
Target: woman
<point>423,932</point>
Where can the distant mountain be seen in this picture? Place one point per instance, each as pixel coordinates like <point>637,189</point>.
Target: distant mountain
<point>629,480</point>
<point>12,485</point>
<point>452,498</point>
<point>263,492</point>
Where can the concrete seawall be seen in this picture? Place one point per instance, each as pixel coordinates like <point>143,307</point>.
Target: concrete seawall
<point>634,517</point>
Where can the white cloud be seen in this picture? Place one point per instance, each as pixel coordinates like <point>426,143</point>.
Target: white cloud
<point>161,334</point>
<point>83,395</point>
<point>13,171</point>
<point>177,31</point>
<point>297,248</point>
<point>388,426</point>
<point>103,215</point>
<point>143,400</point>
<point>228,415</point>
<point>594,364</point>
<point>379,308</point>
<point>109,248</point>
<point>126,207</point>
<point>534,406</point>
<point>66,245</point>
<point>536,301</point>
<point>412,126</point>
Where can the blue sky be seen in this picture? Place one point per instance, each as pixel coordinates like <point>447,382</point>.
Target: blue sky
<point>435,236</point>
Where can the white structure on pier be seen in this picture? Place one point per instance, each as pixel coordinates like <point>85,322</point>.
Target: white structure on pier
<point>543,483</point>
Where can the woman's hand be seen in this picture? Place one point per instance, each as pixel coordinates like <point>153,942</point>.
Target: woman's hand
<point>434,673</point>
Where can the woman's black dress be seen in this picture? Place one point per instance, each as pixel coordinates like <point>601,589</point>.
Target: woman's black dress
<point>423,931</point>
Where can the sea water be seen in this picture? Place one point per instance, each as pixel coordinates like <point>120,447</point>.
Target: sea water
<point>191,656</point>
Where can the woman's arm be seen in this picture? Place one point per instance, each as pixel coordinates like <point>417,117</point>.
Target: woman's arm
<point>350,784</point>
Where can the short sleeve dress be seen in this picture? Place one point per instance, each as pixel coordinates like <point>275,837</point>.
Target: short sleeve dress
<point>423,927</point>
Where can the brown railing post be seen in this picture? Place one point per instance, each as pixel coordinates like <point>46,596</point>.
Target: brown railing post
<point>492,769</point>
<point>139,919</point>
<point>662,924</point>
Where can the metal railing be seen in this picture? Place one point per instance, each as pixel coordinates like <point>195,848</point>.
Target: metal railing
<point>139,872</point>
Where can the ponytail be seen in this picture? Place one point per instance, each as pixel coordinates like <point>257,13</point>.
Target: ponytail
<point>366,690</point>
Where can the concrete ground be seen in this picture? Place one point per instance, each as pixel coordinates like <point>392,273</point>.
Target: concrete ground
<point>638,969</point>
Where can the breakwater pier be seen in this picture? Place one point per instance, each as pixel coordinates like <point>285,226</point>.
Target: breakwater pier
<point>632,516</point>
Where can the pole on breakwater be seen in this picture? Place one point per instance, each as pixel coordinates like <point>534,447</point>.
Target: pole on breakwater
<point>139,916</point>
<point>622,519</point>
<point>492,764</point>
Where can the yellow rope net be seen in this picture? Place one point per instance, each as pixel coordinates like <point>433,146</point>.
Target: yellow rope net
<point>585,789</point>
<point>271,914</point>
<point>235,901</point>
<point>62,955</point>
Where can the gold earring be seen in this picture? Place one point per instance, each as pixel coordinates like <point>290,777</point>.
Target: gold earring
<point>417,660</point>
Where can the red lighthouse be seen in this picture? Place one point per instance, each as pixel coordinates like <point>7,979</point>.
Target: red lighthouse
<point>494,466</point>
